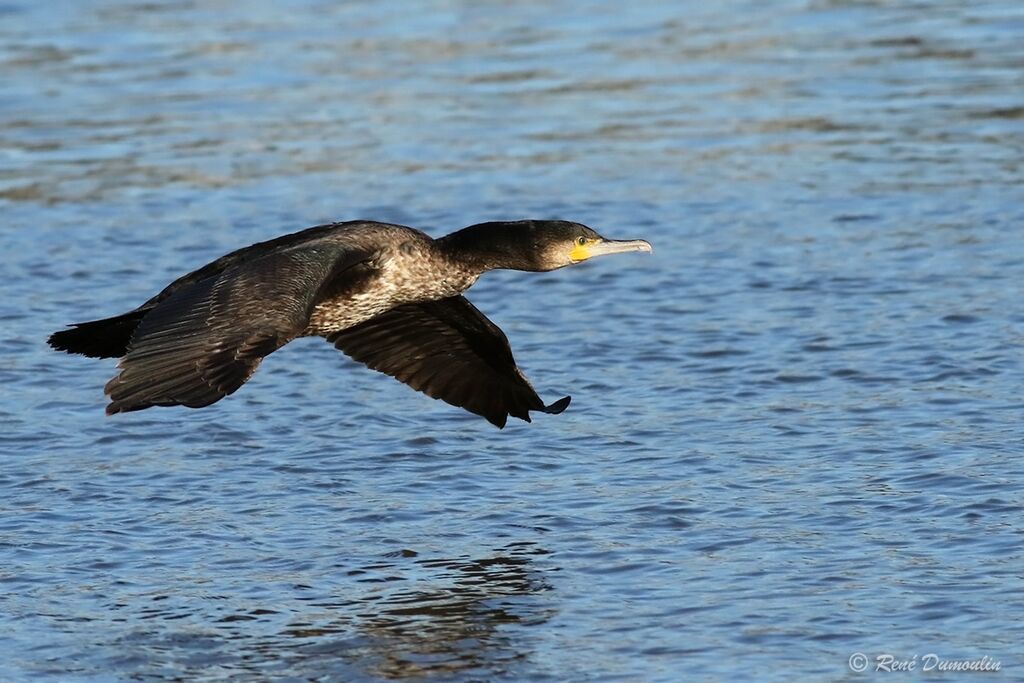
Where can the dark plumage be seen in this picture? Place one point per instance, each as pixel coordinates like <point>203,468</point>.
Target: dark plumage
<point>387,295</point>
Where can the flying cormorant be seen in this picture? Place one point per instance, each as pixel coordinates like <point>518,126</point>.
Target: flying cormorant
<point>387,295</point>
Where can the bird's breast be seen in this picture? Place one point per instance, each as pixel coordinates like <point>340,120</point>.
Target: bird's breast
<point>408,276</point>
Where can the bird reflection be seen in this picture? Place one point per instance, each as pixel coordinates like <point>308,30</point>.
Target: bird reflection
<point>451,622</point>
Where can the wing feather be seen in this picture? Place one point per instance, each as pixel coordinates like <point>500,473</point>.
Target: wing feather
<point>448,350</point>
<point>206,339</point>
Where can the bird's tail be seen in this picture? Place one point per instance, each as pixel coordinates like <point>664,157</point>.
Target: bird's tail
<point>107,338</point>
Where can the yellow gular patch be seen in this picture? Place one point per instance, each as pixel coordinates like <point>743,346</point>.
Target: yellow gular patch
<point>580,252</point>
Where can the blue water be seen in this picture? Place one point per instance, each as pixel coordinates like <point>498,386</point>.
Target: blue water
<point>796,431</point>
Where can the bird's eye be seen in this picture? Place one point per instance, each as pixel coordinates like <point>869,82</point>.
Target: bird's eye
<point>581,241</point>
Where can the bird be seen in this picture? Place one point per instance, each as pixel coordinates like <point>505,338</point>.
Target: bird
<point>389,296</point>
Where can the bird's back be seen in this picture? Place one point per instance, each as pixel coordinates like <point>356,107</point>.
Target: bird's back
<point>364,235</point>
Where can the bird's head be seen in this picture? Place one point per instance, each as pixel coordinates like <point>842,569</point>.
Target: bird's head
<point>563,243</point>
<point>538,245</point>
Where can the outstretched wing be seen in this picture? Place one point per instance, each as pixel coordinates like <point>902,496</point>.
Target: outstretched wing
<point>207,338</point>
<point>448,350</point>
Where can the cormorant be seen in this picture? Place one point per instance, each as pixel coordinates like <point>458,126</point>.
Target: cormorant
<point>387,295</point>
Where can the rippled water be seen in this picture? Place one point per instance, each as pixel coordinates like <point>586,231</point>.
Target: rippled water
<point>796,429</point>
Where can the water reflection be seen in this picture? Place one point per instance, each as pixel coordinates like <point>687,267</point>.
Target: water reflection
<point>456,620</point>
<point>420,617</point>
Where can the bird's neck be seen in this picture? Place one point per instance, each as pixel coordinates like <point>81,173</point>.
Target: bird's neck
<point>490,246</point>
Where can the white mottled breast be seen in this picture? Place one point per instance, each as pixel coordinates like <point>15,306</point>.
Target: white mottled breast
<point>409,272</point>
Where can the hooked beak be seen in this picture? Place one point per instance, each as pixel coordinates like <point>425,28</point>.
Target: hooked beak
<point>600,247</point>
<point>604,247</point>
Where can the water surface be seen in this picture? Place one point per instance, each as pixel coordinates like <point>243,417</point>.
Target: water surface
<point>796,429</point>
